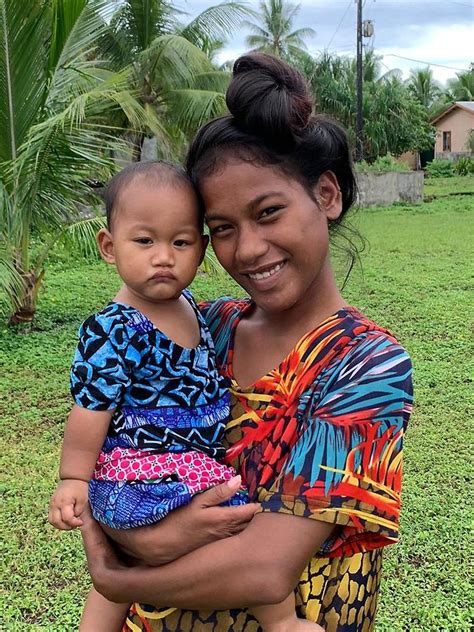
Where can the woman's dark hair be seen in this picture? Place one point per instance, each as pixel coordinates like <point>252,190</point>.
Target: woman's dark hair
<point>157,172</point>
<point>271,123</point>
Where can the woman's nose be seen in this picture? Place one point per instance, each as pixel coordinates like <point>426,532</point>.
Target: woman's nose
<point>250,246</point>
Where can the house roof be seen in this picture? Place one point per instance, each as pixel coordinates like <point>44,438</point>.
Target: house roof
<point>463,105</point>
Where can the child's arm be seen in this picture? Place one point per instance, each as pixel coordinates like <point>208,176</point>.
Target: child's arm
<point>83,438</point>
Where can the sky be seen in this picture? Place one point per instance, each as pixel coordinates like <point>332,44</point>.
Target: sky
<point>436,32</point>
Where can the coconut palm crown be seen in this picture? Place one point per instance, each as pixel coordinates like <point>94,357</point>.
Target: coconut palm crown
<point>273,32</point>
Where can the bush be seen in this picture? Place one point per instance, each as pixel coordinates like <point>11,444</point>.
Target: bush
<point>464,166</point>
<point>382,163</point>
<point>440,168</point>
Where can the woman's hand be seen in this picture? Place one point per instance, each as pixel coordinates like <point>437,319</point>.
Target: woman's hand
<point>188,528</point>
<point>102,560</point>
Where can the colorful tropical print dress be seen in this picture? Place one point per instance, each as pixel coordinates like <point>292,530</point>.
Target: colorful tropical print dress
<point>320,436</point>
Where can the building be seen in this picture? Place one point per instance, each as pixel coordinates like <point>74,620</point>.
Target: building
<point>453,127</point>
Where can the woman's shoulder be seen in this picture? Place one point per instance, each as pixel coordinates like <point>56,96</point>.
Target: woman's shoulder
<point>349,345</point>
<point>350,327</point>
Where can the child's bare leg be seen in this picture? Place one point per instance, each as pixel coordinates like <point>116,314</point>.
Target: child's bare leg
<point>281,617</point>
<point>101,614</point>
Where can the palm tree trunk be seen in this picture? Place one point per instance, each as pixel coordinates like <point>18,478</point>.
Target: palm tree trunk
<point>26,310</point>
<point>137,141</point>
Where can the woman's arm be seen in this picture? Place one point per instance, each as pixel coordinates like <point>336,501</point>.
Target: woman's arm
<point>187,528</point>
<point>261,565</point>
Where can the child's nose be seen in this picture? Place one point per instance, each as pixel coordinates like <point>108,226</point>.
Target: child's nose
<point>162,256</point>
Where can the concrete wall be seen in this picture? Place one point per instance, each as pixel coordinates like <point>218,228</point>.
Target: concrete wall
<point>385,188</point>
<point>459,122</point>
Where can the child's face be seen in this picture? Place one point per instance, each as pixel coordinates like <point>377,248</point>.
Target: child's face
<point>154,241</point>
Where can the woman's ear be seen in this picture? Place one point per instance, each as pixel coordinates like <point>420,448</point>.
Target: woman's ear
<point>328,195</point>
<point>106,245</point>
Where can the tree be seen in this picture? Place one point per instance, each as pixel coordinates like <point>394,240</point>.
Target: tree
<point>462,87</point>
<point>273,33</point>
<point>172,68</point>
<point>423,87</point>
<point>394,122</point>
<point>54,133</point>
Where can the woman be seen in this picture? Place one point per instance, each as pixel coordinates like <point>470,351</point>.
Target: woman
<point>321,395</point>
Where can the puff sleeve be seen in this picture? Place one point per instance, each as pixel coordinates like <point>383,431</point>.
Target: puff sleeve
<point>100,371</point>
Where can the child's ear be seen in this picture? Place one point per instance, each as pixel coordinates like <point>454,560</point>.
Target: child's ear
<point>205,243</point>
<point>328,195</point>
<point>106,245</point>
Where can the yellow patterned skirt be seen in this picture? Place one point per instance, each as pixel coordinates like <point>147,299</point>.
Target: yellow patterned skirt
<point>339,593</point>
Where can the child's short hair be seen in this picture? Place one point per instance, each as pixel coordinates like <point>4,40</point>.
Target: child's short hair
<point>159,172</point>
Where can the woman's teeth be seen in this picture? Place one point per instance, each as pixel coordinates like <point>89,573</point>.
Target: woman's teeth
<point>268,273</point>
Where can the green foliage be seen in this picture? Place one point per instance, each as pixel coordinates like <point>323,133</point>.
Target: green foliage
<point>394,121</point>
<point>273,31</point>
<point>384,163</point>
<point>462,87</point>
<point>74,77</point>
<point>424,87</point>
<point>425,585</point>
<point>470,141</point>
<point>440,168</point>
<point>464,166</point>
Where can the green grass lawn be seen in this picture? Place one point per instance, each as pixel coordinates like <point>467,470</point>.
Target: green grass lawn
<point>415,279</point>
<point>448,186</point>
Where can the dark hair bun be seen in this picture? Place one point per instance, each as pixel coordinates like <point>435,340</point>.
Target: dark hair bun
<point>269,99</point>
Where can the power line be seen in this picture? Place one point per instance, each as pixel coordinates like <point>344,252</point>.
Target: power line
<point>421,61</point>
<point>339,25</point>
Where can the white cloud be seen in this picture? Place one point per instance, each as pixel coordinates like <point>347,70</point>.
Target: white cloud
<point>448,45</point>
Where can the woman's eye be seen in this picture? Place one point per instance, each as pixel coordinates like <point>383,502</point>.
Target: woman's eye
<point>267,212</point>
<point>221,229</point>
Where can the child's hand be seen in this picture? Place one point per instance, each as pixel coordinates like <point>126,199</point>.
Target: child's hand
<point>67,504</point>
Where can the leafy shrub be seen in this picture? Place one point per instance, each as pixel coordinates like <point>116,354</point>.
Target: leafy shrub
<point>440,168</point>
<point>464,166</point>
<point>383,163</point>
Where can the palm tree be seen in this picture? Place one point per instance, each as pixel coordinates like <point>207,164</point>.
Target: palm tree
<point>423,86</point>
<point>54,133</point>
<point>65,105</point>
<point>273,33</point>
<point>393,121</point>
<point>462,88</point>
<point>171,63</point>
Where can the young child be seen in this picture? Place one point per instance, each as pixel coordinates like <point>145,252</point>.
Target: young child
<point>145,433</point>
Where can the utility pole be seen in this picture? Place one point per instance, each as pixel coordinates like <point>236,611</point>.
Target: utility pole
<point>359,120</point>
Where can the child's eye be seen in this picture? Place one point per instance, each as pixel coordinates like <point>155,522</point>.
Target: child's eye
<point>181,243</point>
<point>143,240</point>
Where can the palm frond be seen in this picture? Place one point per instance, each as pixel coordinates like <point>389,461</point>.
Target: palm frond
<point>192,108</point>
<point>81,236</point>
<point>23,54</point>
<point>176,59</point>
<point>211,264</point>
<point>217,22</point>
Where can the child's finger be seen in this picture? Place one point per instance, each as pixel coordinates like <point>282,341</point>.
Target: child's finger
<point>68,516</point>
<point>56,520</point>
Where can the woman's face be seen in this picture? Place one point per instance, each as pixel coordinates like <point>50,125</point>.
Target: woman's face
<point>269,234</point>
